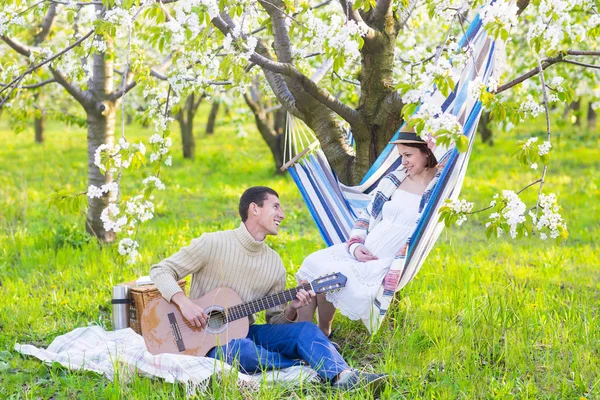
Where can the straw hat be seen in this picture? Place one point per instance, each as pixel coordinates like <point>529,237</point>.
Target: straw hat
<point>407,135</point>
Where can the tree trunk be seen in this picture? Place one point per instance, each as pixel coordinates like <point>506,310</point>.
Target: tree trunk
<point>576,107</point>
<point>212,117</point>
<point>39,124</point>
<point>39,121</point>
<point>591,118</point>
<point>185,117</point>
<point>484,128</point>
<point>101,130</point>
<point>270,134</point>
<point>101,115</point>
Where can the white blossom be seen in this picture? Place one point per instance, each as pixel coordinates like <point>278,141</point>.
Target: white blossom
<point>512,214</point>
<point>140,209</point>
<point>529,142</point>
<point>124,144</point>
<point>128,247</point>
<point>556,83</point>
<point>532,107</point>
<point>119,17</point>
<point>476,88</point>
<point>156,138</point>
<point>544,148</point>
<point>111,219</point>
<point>94,192</point>
<point>500,11</point>
<point>550,218</point>
<point>154,181</point>
<point>461,208</point>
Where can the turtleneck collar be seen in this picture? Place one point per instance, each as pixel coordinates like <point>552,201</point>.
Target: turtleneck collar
<point>247,240</point>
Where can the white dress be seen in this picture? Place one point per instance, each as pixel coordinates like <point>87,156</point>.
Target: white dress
<point>364,278</point>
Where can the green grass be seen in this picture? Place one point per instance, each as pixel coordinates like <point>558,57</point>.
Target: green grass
<point>483,319</point>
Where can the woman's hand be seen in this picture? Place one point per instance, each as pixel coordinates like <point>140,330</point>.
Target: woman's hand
<point>362,254</point>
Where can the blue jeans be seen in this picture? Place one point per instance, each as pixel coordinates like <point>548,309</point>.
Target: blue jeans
<point>280,346</point>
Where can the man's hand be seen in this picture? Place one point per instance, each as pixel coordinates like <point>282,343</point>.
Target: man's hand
<point>191,311</point>
<point>362,254</point>
<point>302,298</point>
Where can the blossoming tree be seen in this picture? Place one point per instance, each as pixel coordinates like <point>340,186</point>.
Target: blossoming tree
<point>385,57</point>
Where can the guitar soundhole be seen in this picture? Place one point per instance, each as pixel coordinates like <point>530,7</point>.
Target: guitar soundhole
<point>216,319</point>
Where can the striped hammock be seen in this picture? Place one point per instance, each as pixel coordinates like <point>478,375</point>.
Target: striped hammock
<point>335,206</point>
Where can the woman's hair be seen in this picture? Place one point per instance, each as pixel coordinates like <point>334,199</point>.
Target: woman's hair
<point>431,160</point>
<point>255,194</point>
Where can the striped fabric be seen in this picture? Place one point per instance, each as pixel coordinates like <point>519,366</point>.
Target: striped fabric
<point>336,207</point>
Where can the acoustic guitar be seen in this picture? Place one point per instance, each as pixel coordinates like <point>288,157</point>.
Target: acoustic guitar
<point>166,331</point>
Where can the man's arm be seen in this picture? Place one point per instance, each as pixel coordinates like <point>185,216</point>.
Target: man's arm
<point>286,314</point>
<point>186,261</point>
<point>191,311</point>
<point>165,275</point>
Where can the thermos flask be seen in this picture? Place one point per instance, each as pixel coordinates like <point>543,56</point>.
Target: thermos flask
<point>120,307</point>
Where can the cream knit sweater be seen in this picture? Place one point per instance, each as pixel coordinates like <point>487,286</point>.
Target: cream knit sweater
<point>230,259</point>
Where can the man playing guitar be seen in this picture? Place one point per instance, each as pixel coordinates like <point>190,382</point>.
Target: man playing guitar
<point>240,260</point>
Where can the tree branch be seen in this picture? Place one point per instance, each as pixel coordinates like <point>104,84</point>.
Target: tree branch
<point>197,104</point>
<point>83,98</point>
<point>519,192</point>
<point>354,15</point>
<point>117,94</point>
<point>33,68</point>
<point>282,92</point>
<point>17,46</point>
<point>383,8</point>
<point>46,25</point>
<point>276,81</point>
<point>283,44</point>
<point>280,9</point>
<point>347,113</point>
<point>548,62</point>
<point>35,85</point>
<point>544,64</point>
<point>406,13</point>
<point>593,66</point>
<point>547,114</point>
<point>522,4</point>
<point>583,53</point>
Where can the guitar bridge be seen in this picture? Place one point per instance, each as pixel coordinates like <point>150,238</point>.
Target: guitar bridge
<point>176,332</point>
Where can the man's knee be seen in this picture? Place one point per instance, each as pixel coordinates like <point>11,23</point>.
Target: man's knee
<point>309,329</point>
<point>244,351</point>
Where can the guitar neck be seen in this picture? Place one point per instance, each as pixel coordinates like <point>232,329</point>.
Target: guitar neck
<point>252,307</point>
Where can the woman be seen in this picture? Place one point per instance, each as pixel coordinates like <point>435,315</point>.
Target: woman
<point>368,254</point>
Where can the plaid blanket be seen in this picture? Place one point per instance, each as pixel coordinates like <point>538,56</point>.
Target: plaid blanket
<point>123,353</point>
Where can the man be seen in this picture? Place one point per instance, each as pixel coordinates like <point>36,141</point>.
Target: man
<point>240,260</point>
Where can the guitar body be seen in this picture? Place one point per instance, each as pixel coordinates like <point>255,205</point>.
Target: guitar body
<point>166,331</point>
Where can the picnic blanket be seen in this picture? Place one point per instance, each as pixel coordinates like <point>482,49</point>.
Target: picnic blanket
<point>123,353</point>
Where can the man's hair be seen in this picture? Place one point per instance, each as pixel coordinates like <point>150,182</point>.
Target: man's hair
<point>431,160</point>
<point>255,194</point>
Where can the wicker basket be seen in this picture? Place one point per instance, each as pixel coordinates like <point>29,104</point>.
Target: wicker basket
<point>140,296</point>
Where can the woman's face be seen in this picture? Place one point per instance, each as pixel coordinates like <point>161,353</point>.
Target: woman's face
<point>413,159</point>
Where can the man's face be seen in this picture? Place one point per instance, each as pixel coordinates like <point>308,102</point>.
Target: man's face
<point>270,215</point>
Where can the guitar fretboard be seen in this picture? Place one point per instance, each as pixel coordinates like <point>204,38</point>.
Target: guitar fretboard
<point>252,307</point>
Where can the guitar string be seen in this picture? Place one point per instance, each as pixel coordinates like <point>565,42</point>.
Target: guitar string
<point>245,310</point>
<point>239,311</point>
